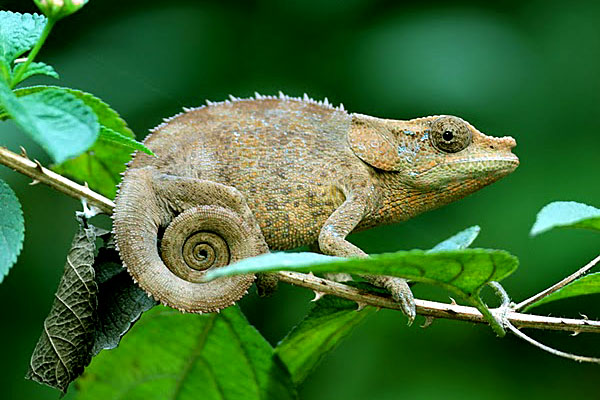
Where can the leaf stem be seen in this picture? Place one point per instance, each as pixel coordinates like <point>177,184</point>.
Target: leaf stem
<point>33,53</point>
<point>557,286</point>
<point>424,307</point>
<point>495,322</point>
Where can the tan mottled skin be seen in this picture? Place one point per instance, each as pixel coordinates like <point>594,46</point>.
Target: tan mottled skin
<point>309,173</point>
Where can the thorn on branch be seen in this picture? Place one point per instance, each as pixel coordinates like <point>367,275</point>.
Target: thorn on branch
<point>89,210</point>
<point>428,321</point>
<point>24,152</point>
<point>318,295</point>
<point>39,166</point>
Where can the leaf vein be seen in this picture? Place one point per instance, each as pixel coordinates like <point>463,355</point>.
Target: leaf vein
<point>195,355</point>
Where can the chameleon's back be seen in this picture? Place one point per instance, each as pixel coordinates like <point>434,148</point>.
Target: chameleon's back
<point>281,153</point>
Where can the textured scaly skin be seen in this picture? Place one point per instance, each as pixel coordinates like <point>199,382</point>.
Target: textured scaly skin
<point>308,172</point>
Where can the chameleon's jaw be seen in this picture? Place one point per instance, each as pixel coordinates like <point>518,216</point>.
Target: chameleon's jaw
<point>484,165</point>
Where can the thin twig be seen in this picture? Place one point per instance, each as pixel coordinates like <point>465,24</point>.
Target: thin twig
<point>557,286</point>
<point>424,307</point>
<point>35,171</point>
<point>549,349</point>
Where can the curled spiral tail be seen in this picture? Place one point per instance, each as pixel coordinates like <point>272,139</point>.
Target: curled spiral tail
<point>206,225</point>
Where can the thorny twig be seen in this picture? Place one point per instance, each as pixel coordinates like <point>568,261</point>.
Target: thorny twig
<point>430,309</point>
<point>35,171</point>
<point>434,309</point>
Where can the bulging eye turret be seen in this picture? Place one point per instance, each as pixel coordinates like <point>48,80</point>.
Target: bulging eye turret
<point>450,134</point>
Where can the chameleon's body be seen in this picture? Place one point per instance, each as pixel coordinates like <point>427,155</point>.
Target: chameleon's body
<point>308,172</point>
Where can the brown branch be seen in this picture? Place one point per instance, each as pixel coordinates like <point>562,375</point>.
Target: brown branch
<point>35,171</point>
<point>426,308</point>
<point>434,309</point>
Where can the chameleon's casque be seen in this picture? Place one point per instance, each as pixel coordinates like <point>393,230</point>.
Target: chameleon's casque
<point>237,178</point>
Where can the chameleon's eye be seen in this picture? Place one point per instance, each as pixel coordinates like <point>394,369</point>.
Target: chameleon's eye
<point>450,134</point>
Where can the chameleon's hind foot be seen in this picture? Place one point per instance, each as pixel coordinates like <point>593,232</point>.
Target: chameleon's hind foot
<point>400,292</point>
<point>266,284</point>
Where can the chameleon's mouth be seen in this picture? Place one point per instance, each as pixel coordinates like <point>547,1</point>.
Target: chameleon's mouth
<point>502,164</point>
<point>507,162</point>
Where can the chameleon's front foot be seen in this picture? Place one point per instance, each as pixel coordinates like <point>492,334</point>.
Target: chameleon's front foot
<point>335,244</point>
<point>400,292</point>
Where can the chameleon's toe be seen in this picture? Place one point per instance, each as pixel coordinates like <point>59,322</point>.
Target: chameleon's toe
<point>401,293</point>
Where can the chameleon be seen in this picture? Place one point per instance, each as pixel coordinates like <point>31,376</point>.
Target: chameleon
<point>242,177</point>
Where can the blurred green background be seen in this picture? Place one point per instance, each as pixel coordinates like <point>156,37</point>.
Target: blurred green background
<point>523,68</point>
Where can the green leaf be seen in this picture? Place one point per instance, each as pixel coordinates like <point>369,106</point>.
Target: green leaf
<point>589,284</point>
<point>18,33</point>
<point>35,68</point>
<point>108,135</point>
<point>106,116</point>
<point>461,240</point>
<point>463,272</point>
<point>64,348</point>
<point>324,327</point>
<point>103,163</point>
<point>61,123</point>
<point>120,301</point>
<point>170,355</point>
<point>566,214</point>
<point>12,228</point>
<point>100,167</point>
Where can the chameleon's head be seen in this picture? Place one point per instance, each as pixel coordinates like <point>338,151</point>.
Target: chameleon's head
<point>433,153</point>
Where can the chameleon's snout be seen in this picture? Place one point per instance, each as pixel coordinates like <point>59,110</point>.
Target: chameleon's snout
<point>500,147</point>
<point>507,142</point>
<point>496,153</point>
<point>504,145</point>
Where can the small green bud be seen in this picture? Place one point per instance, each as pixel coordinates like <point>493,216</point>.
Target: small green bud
<point>57,9</point>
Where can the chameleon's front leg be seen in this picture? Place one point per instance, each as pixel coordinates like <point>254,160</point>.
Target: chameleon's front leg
<point>332,241</point>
